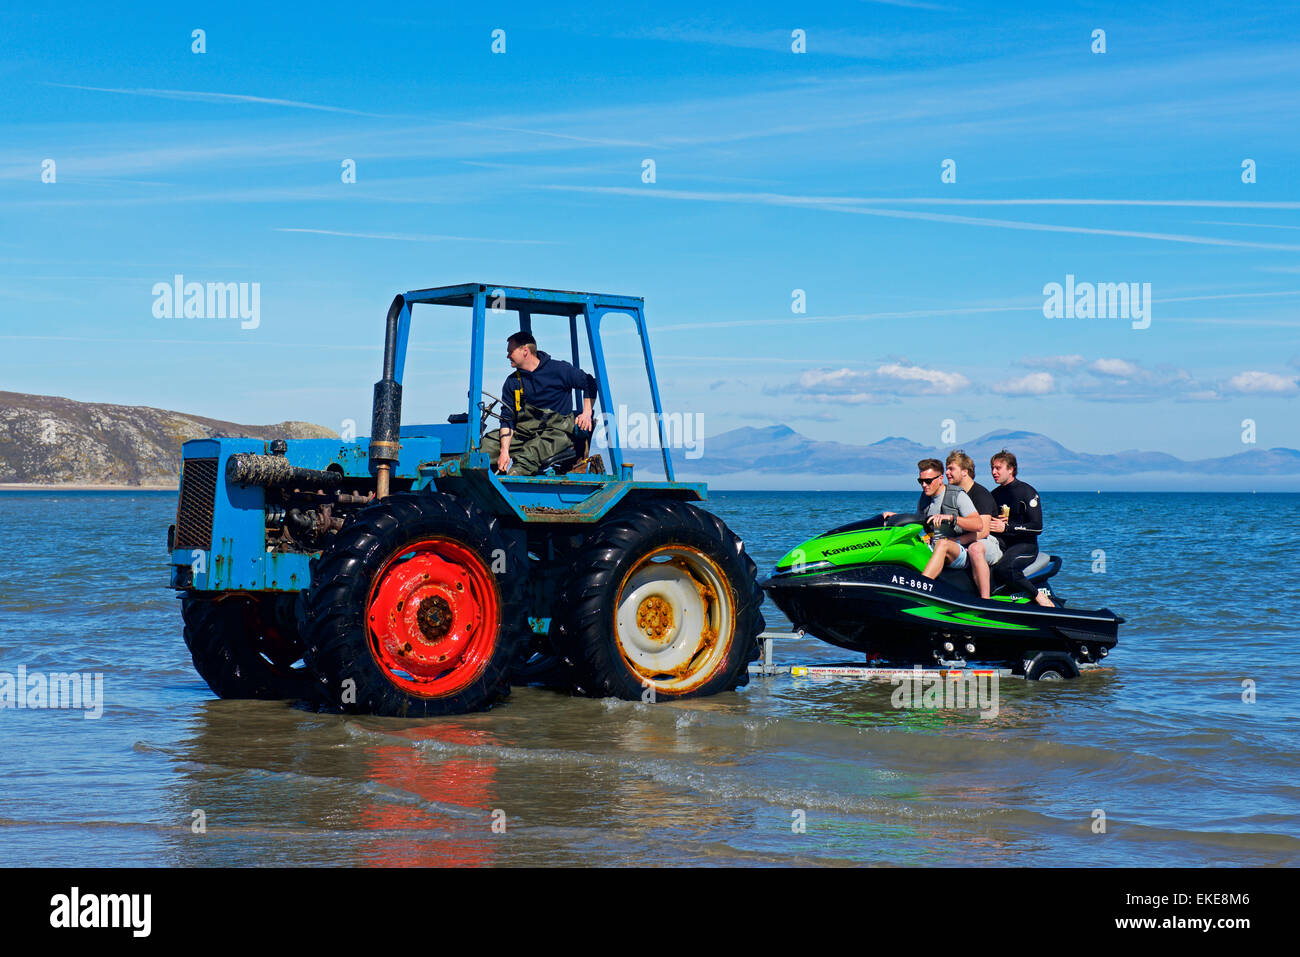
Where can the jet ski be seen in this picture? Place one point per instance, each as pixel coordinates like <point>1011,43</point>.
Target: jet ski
<point>860,587</point>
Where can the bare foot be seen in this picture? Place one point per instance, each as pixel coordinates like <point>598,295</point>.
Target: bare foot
<point>1044,600</point>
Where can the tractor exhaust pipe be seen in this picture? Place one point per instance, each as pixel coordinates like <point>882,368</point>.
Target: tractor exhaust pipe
<point>386,415</point>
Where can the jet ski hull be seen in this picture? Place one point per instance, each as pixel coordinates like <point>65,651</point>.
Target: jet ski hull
<point>892,611</point>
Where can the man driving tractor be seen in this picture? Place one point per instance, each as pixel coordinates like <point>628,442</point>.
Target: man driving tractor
<point>537,419</point>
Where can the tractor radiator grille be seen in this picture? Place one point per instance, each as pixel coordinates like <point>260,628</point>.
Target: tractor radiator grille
<point>198,493</point>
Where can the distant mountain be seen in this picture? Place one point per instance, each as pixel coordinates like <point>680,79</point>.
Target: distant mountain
<point>779,450</point>
<point>49,440</point>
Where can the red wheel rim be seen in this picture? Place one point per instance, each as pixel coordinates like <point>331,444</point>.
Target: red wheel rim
<point>433,617</point>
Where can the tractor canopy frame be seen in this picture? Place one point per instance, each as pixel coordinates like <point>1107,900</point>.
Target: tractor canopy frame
<point>527,302</point>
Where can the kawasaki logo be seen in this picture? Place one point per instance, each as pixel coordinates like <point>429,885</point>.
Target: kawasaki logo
<point>851,548</point>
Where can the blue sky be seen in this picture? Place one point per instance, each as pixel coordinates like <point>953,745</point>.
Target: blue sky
<point>775,171</point>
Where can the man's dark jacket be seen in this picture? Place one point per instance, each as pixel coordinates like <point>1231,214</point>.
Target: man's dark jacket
<point>549,386</point>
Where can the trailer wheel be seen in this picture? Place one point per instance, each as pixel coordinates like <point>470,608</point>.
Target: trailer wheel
<point>417,609</point>
<point>1051,666</point>
<point>661,597</point>
<point>245,646</point>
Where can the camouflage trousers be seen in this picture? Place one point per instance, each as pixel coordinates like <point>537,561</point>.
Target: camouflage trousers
<point>538,434</point>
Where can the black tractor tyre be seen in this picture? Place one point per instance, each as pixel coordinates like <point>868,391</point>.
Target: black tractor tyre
<point>242,648</point>
<point>1052,666</point>
<point>356,669</point>
<point>644,546</point>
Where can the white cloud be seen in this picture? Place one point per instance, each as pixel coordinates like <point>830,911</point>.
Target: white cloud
<point>1106,380</point>
<point>1120,368</point>
<point>829,378</point>
<point>883,384</point>
<point>927,381</point>
<point>1035,383</point>
<point>1264,383</point>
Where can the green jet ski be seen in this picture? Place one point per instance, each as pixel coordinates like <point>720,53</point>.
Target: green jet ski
<point>860,587</point>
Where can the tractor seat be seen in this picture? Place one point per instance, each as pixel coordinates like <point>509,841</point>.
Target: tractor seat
<point>568,457</point>
<point>561,461</point>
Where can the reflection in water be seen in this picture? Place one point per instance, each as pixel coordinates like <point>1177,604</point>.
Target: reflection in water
<point>261,770</point>
<point>464,783</point>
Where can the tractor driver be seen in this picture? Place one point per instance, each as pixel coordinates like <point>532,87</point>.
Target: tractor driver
<point>537,419</point>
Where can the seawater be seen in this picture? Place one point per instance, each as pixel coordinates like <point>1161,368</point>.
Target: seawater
<point>785,771</point>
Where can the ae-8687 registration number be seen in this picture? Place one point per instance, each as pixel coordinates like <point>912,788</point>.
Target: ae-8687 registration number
<point>924,584</point>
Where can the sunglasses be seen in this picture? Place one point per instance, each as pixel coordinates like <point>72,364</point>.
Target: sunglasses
<point>927,481</point>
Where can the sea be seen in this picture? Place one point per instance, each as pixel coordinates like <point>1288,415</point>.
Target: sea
<point>1180,752</point>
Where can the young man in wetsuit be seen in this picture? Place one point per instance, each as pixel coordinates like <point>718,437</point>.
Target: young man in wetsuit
<point>982,549</point>
<point>941,504</point>
<point>1018,534</point>
<point>537,408</point>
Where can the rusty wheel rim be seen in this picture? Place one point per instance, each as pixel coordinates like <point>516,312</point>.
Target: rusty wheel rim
<point>674,619</point>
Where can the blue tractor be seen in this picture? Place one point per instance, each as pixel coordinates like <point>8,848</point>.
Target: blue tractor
<point>403,575</point>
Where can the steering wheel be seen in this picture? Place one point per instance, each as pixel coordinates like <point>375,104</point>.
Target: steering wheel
<point>485,409</point>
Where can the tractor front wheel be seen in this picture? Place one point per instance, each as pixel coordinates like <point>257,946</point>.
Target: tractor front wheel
<point>245,646</point>
<point>416,609</point>
<point>662,602</point>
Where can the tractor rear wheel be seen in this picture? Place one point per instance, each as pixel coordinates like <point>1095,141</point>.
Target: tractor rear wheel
<point>662,602</point>
<point>245,646</point>
<point>417,609</point>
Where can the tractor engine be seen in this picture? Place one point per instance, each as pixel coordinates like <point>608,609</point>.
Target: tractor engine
<point>303,506</point>
<point>252,513</point>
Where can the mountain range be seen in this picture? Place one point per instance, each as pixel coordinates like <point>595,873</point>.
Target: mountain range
<point>764,457</point>
<point>48,440</point>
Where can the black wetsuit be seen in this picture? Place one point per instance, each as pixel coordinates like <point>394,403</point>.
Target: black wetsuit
<point>1020,540</point>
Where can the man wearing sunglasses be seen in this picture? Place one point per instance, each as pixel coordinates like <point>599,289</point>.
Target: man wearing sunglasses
<point>949,512</point>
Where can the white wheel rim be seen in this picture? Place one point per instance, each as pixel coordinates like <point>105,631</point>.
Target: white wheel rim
<point>673,621</point>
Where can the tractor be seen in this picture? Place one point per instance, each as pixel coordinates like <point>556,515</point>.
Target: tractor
<point>401,574</point>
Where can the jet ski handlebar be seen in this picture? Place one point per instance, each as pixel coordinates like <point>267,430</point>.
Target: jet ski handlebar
<point>899,519</point>
<point>896,520</point>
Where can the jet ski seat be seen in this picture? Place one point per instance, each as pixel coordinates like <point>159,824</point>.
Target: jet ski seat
<point>1040,562</point>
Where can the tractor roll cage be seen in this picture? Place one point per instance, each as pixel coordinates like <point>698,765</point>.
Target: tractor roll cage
<point>592,307</point>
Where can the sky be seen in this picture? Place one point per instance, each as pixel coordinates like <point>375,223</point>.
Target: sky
<point>916,179</point>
